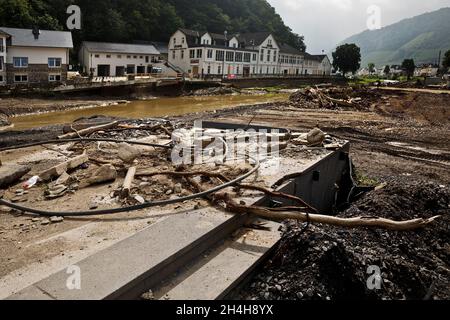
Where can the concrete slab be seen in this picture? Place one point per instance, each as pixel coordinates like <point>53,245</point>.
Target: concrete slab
<point>214,276</point>
<point>112,273</point>
<point>10,174</point>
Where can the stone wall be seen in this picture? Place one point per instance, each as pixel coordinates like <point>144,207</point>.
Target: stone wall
<point>37,73</point>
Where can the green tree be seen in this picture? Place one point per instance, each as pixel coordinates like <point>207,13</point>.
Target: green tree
<point>409,67</point>
<point>371,68</point>
<point>446,61</point>
<point>347,58</point>
<point>387,70</point>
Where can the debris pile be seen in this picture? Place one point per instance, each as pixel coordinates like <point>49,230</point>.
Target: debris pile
<point>329,263</point>
<point>217,91</point>
<point>334,98</point>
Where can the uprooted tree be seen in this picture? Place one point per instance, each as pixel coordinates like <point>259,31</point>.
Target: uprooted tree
<point>347,58</point>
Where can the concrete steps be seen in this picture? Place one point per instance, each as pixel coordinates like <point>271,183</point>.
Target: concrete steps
<point>215,274</point>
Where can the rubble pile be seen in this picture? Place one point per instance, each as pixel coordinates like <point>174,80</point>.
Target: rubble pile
<point>217,91</point>
<point>329,263</point>
<point>334,98</point>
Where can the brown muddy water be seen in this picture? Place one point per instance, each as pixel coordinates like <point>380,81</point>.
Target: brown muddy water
<point>157,107</point>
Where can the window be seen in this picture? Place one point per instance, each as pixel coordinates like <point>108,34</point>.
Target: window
<point>147,59</point>
<point>2,48</point>
<point>182,40</point>
<point>209,70</point>
<point>254,57</point>
<point>275,56</point>
<point>1,78</point>
<point>141,57</point>
<point>209,54</point>
<point>247,57</point>
<point>268,55</point>
<point>219,55</point>
<point>128,57</point>
<point>173,54</point>
<point>261,58</point>
<point>199,53</point>
<point>119,56</point>
<point>174,40</point>
<point>54,77</point>
<point>97,56</point>
<point>269,42</point>
<point>191,54</point>
<point>1,63</point>
<point>182,54</point>
<point>135,57</point>
<point>238,57</point>
<point>230,56</point>
<point>237,70</point>
<point>108,56</point>
<point>20,78</point>
<point>219,70</point>
<point>20,62</point>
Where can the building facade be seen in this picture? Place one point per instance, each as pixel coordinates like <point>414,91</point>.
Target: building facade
<point>34,56</point>
<point>203,54</point>
<point>100,59</point>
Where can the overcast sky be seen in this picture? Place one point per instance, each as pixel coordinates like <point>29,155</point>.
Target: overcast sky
<point>324,23</point>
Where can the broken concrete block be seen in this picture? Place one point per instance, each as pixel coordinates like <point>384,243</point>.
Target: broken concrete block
<point>63,179</point>
<point>316,137</point>
<point>128,153</point>
<point>56,219</point>
<point>10,174</point>
<point>58,170</point>
<point>105,173</point>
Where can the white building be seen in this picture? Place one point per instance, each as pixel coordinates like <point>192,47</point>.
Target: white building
<point>102,59</point>
<point>201,54</point>
<point>34,56</point>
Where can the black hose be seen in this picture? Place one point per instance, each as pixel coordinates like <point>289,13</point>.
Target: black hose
<point>33,144</point>
<point>129,208</point>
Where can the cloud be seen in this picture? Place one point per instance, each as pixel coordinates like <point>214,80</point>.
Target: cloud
<point>324,23</point>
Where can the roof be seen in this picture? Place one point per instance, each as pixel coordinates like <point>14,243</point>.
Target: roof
<point>162,47</point>
<point>47,38</point>
<point>253,39</point>
<point>316,57</point>
<point>120,48</point>
<point>285,48</point>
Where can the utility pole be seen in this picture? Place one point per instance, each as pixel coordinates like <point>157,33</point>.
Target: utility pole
<point>224,54</point>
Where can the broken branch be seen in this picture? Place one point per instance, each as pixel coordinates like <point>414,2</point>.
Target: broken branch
<point>87,131</point>
<point>357,222</point>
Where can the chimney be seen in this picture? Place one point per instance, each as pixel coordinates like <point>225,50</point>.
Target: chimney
<point>36,32</point>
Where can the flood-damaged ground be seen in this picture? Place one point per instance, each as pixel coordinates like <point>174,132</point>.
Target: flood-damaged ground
<point>399,142</point>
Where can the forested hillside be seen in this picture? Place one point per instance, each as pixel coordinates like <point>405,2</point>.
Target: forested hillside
<point>420,38</point>
<point>127,20</point>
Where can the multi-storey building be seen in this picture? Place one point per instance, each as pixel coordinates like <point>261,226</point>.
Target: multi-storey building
<point>34,56</point>
<point>201,54</point>
<point>103,59</point>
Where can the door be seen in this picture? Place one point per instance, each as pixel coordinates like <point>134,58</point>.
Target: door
<point>104,70</point>
<point>130,69</point>
<point>120,71</point>
<point>246,71</point>
<point>195,71</point>
<point>141,69</point>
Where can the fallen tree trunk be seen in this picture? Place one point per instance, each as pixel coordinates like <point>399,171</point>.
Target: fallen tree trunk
<point>357,222</point>
<point>87,131</point>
